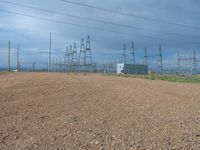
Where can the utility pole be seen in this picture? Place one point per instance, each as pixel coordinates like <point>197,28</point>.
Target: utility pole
<point>49,66</point>
<point>9,56</point>
<point>160,62</point>
<point>194,63</point>
<point>33,66</point>
<point>179,64</point>
<point>133,52</point>
<point>53,65</point>
<point>18,62</point>
<point>145,57</point>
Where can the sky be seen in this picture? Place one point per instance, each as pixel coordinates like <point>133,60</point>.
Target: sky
<point>32,34</point>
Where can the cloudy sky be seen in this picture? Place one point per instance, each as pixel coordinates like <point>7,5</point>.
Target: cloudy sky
<point>175,24</point>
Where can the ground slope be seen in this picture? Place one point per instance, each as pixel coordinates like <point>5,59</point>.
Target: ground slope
<point>60,111</point>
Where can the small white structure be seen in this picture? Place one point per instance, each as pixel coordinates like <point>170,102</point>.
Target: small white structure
<point>15,70</point>
<point>120,68</point>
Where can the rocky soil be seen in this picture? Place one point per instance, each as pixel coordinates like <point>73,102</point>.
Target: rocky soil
<point>95,112</point>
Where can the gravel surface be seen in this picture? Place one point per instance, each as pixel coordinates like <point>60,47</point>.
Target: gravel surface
<point>95,112</point>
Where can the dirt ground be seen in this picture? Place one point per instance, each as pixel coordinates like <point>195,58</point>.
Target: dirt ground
<point>95,112</point>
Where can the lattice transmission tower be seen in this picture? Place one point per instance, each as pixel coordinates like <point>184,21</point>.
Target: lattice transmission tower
<point>124,57</point>
<point>159,59</point>
<point>74,55</point>
<point>184,59</point>
<point>82,53</point>
<point>66,55</point>
<point>88,52</point>
<point>70,54</point>
<point>133,53</point>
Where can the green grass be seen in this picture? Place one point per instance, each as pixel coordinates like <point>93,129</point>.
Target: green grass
<point>3,72</point>
<point>170,78</point>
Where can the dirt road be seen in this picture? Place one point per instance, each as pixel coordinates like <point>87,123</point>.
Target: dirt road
<point>89,112</point>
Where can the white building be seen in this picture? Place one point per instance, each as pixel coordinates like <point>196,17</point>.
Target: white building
<point>120,68</point>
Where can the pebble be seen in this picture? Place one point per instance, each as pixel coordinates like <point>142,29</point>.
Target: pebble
<point>96,142</point>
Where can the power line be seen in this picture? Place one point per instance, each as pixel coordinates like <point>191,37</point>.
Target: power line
<point>93,20</point>
<point>130,15</point>
<point>58,21</point>
<point>93,28</point>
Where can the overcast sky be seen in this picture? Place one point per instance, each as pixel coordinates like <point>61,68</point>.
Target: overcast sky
<point>32,34</point>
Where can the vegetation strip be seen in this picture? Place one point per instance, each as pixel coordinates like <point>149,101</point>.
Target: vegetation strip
<point>170,78</point>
